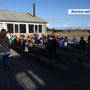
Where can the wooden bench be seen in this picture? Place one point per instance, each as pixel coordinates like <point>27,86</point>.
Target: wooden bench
<point>75,57</point>
<point>43,59</point>
<point>60,66</point>
<point>56,62</point>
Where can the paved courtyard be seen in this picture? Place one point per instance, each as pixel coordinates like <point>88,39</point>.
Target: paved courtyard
<point>29,74</point>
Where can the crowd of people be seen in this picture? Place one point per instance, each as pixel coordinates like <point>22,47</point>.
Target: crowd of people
<point>28,43</point>
<point>50,42</point>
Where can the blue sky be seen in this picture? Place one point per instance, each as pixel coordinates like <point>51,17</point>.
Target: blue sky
<point>53,11</point>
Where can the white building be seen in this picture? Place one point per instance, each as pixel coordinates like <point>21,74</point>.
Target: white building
<point>21,23</point>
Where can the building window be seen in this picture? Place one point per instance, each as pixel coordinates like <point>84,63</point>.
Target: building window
<point>22,28</point>
<point>1,26</point>
<point>31,28</point>
<point>36,28</point>
<point>16,28</point>
<point>40,28</point>
<point>10,28</point>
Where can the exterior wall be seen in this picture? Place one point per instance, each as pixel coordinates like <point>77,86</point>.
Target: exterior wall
<point>22,34</point>
<point>45,29</point>
<point>27,30</point>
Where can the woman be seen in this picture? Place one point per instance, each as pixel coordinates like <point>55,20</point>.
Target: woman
<point>74,39</point>
<point>4,49</point>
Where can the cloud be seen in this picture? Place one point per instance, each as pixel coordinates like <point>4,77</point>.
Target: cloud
<point>58,20</point>
<point>88,24</point>
<point>55,22</point>
<point>67,26</point>
<point>48,25</point>
<point>64,25</point>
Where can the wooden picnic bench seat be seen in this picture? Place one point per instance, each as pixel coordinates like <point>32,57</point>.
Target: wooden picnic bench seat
<point>43,59</point>
<point>60,66</point>
<point>67,55</point>
<point>74,57</point>
<point>76,50</point>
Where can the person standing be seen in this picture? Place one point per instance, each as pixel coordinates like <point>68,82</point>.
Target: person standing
<point>82,44</point>
<point>88,47</point>
<point>4,49</point>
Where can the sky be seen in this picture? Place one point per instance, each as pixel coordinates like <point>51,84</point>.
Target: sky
<point>55,12</point>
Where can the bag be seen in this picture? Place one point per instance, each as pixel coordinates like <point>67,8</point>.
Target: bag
<point>65,44</point>
<point>26,49</point>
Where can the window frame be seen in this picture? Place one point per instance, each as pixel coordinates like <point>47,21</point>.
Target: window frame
<point>7,27</point>
<point>29,28</point>
<point>20,28</point>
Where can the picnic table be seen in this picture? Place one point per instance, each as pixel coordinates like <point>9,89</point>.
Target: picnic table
<point>62,59</point>
<point>72,44</point>
<point>66,56</point>
<point>72,57</point>
<point>40,46</point>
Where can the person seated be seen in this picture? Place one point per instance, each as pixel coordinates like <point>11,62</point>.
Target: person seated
<point>66,43</point>
<point>74,40</point>
<point>23,42</point>
<point>19,42</point>
<point>30,46</point>
<point>12,41</point>
<point>61,42</point>
<point>41,40</point>
<point>57,38</point>
<point>15,41</point>
<point>82,44</point>
<point>88,47</point>
<point>36,39</point>
<point>26,45</point>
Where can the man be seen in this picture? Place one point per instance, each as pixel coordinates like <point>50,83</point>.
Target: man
<point>88,47</point>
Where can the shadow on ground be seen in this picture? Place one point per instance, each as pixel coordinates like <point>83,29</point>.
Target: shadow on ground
<point>27,73</point>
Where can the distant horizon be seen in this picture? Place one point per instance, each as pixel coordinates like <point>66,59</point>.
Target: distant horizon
<point>68,29</point>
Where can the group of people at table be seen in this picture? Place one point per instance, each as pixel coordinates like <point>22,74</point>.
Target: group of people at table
<point>29,43</point>
<point>50,42</point>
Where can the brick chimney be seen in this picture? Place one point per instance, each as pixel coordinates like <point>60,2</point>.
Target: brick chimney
<point>33,9</point>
